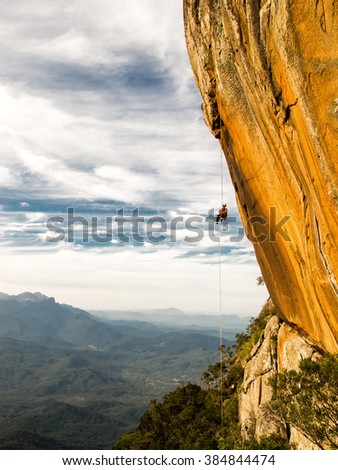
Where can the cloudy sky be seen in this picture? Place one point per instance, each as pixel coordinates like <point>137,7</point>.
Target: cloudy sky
<point>99,112</point>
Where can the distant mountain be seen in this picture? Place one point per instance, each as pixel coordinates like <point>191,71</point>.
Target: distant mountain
<point>69,378</point>
<point>27,440</point>
<point>39,319</point>
<point>59,426</point>
<point>176,318</point>
<point>24,296</point>
<point>36,318</point>
<point>31,297</point>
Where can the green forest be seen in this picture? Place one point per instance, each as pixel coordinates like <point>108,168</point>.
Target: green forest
<point>191,416</point>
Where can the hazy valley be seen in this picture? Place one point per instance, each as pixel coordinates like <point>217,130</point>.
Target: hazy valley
<point>70,379</point>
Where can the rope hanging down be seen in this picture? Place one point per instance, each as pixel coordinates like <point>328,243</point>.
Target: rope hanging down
<point>220,297</point>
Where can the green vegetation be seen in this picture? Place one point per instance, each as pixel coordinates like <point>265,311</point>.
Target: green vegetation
<point>190,418</point>
<point>246,341</point>
<point>307,399</point>
<point>87,391</point>
<point>72,380</point>
<point>187,418</point>
<point>107,390</point>
<point>260,281</point>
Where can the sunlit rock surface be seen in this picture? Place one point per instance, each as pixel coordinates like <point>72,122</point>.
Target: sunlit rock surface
<point>268,75</point>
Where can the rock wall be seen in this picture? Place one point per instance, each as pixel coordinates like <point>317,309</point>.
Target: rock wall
<point>280,348</point>
<point>267,72</point>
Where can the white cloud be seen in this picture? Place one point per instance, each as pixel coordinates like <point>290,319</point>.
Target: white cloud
<point>117,174</point>
<point>6,177</point>
<point>96,31</point>
<point>60,148</point>
<point>128,278</point>
<point>105,182</point>
<point>97,102</point>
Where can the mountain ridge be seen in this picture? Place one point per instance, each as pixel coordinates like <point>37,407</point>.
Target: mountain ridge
<point>55,353</point>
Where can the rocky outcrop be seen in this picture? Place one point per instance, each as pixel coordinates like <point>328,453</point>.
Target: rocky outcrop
<point>256,391</point>
<point>280,348</point>
<point>267,71</point>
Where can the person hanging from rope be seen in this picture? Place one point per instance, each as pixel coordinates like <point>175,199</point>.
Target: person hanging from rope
<point>222,214</point>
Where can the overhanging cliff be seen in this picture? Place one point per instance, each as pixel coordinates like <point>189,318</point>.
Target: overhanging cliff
<point>268,74</point>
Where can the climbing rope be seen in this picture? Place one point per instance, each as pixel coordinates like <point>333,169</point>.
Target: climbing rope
<point>220,293</point>
<point>222,174</point>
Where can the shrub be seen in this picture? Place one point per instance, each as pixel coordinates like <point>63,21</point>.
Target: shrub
<point>307,399</point>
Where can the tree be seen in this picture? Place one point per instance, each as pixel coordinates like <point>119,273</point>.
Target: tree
<point>188,418</point>
<point>260,281</point>
<point>307,399</point>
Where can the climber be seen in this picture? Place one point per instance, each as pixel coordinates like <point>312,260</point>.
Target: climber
<point>222,214</point>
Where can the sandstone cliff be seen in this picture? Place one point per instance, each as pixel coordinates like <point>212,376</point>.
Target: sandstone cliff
<point>267,71</point>
<point>280,348</point>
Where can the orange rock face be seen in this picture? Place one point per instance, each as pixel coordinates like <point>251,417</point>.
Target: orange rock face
<point>268,74</point>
